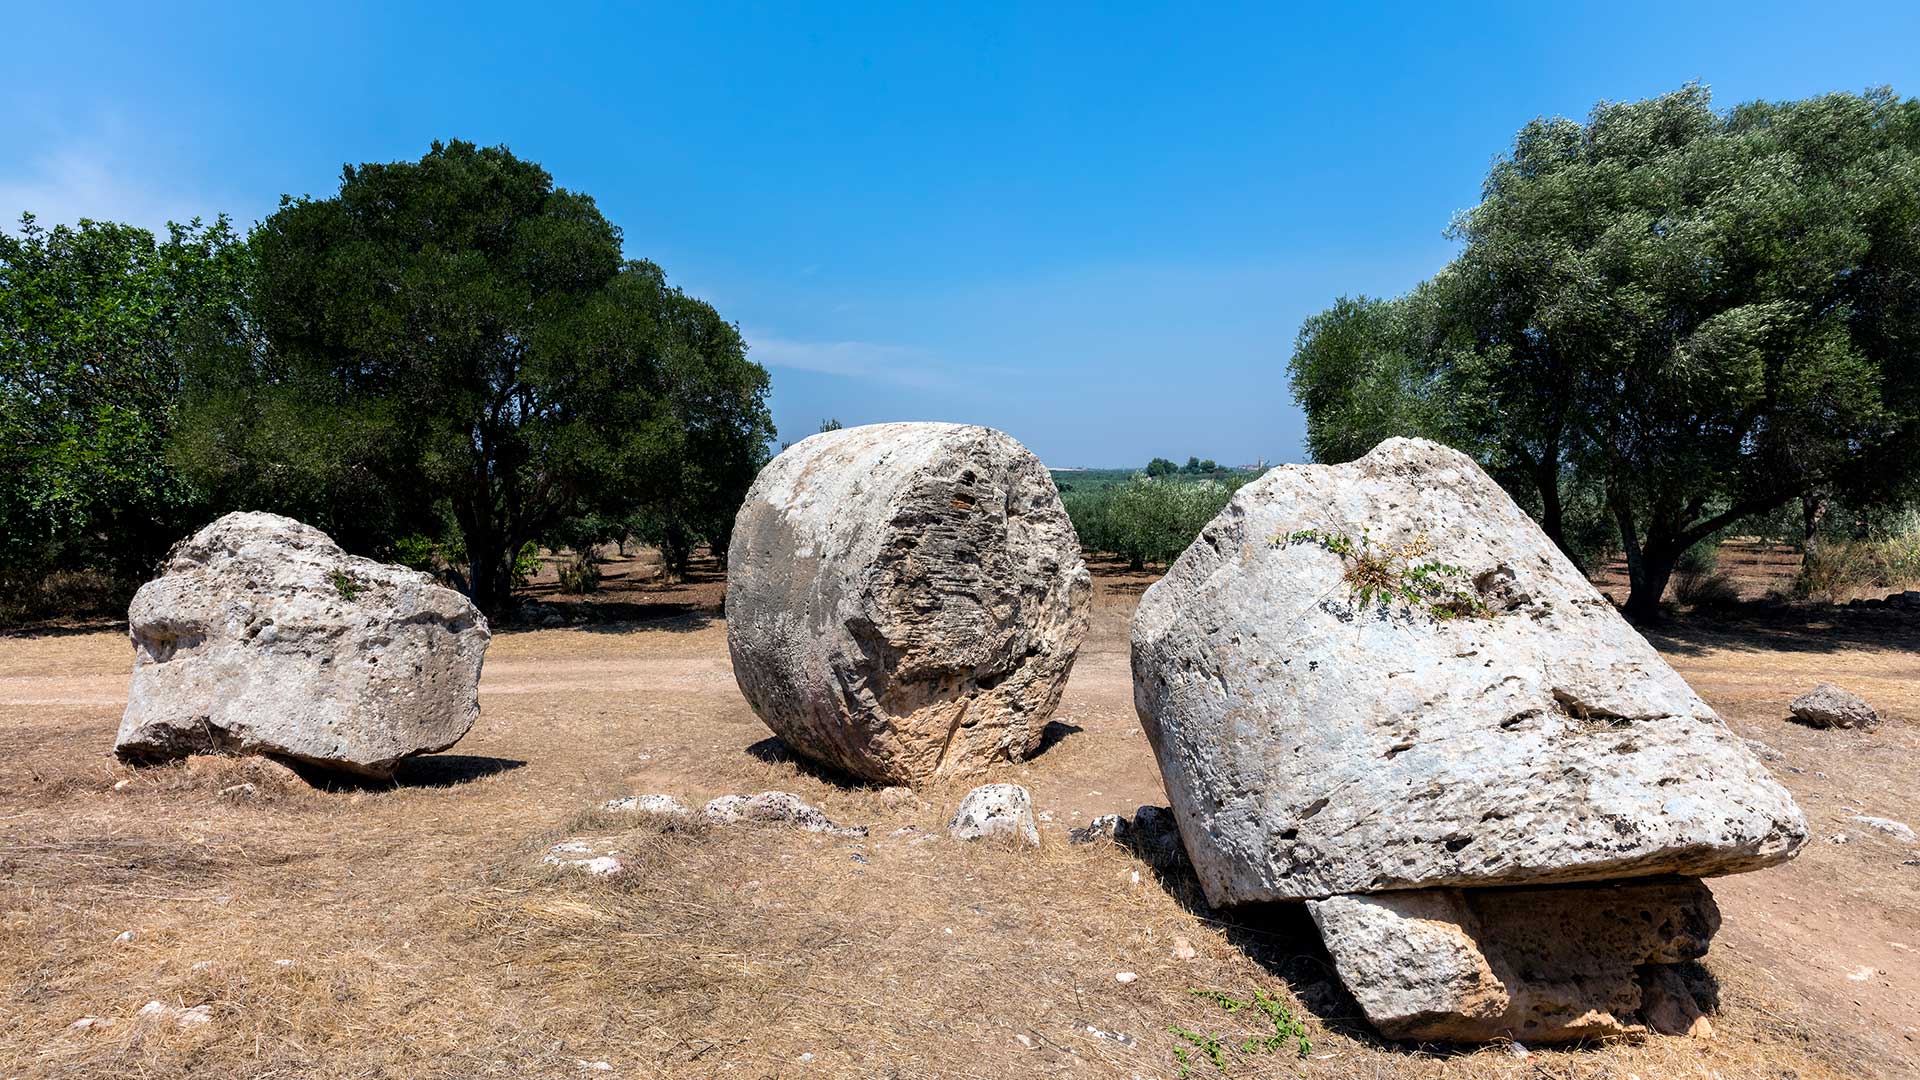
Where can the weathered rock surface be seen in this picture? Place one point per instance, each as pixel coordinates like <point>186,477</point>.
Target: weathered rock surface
<point>1828,706</point>
<point>1529,964</point>
<point>648,804</point>
<point>262,637</point>
<point>776,807</point>
<point>904,600</point>
<point>598,856</point>
<point>995,810</point>
<point>1314,743</point>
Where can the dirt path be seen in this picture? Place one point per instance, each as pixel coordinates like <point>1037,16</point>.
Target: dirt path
<point>378,893</point>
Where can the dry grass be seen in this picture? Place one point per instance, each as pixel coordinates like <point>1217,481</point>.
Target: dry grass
<point>427,940</point>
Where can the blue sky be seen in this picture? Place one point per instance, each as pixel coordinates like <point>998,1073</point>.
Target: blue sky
<point>1097,227</point>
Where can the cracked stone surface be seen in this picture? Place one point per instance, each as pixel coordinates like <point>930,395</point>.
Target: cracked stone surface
<point>777,807</point>
<point>1313,744</point>
<point>1828,706</point>
<point>1529,964</point>
<point>995,810</point>
<point>904,601</point>
<point>261,636</point>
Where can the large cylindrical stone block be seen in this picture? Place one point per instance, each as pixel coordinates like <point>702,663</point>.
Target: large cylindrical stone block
<point>904,601</point>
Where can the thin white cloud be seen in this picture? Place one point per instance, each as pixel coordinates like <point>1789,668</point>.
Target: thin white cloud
<point>85,179</point>
<point>902,365</point>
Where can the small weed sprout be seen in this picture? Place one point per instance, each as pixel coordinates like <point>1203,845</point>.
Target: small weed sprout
<point>344,585</point>
<point>1288,1031</point>
<point>1400,571</point>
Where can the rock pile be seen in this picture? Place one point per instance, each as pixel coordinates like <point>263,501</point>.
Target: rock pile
<point>904,600</point>
<point>1378,686</point>
<point>262,637</point>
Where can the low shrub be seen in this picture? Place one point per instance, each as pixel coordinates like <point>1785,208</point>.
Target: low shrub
<point>1708,589</point>
<point>1840,569</point>
<point>580,574</point>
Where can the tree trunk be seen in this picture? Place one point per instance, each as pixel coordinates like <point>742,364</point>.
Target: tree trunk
<point>1648,576</point>
<point>1553,512</point>
<point>1648,567</point>
<point>1813,510</point>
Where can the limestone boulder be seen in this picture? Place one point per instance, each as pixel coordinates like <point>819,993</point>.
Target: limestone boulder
<point>261,636</point>
<point>1528,964</point>
<point>904,601</point>
<point>1383,675</point>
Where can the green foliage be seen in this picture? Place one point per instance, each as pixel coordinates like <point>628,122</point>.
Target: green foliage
<point>459,333</point>
<point>1147,519</point>
<point>1389,572</point>
<point>526,564</point>
<point>580,574</point>
<point>1161,467</point>
<point>95,323</point>
<point>1288,1032</point>
<point>1885,560</point>
<point>1700,315</point>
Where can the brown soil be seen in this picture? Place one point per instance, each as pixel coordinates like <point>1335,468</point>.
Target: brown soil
<point>424,940</point>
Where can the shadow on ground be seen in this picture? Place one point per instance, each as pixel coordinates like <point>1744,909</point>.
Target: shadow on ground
<point>774,750</point>
<point>1758,628</point>
<point>428,771</point>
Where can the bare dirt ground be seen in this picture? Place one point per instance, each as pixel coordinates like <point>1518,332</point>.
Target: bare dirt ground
<point>407,930</point>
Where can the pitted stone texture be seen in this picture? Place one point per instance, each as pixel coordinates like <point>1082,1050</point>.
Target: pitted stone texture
<point>1312,745</point>
<point>665,805</point>
<point>599,856</point>
<point>1828,706</point>
<point>262,637</point>
<point>1528,964</point>
<point>995,810</point>
<point>904,601</point>
<point>777,807</point>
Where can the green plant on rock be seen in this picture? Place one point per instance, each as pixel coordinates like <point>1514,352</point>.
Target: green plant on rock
<point>1388,572</point>
<point>344,585</point>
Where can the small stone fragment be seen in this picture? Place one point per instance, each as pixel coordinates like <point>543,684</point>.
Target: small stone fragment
<point>995,810</point>
<point>1183,949</point>
<point>648,804</point>
<point>1899,830</point>
<point>1828,706</point>
<point>1124,977</point>
<point>588,855</point>
<point>776,807</point>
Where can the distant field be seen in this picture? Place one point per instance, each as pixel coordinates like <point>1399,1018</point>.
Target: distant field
<point>1095,479</point>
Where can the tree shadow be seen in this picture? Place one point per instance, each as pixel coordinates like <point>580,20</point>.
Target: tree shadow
<point>1780,628</point>
<point>69,627</point>
<point>613,617</point>
<point>426,771</point>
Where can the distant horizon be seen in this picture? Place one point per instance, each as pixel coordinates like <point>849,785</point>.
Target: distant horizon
<point>1097,234</point>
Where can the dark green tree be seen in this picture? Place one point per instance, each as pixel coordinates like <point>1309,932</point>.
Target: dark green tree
<point>458,332</point>
<point>1161,467</point>
<point>95,321</point>
<point>1700,316</point>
